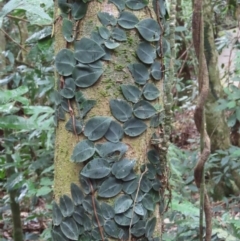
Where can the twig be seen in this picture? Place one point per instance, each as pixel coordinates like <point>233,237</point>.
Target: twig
<point>95,211</point>
<point>13,40</point>
<point>17,18</point>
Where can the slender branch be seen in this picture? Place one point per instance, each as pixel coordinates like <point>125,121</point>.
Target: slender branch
<point>13,40</point>
<point>17,18</point>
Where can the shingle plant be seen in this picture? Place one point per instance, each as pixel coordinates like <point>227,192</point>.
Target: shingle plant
<point>107,172</point>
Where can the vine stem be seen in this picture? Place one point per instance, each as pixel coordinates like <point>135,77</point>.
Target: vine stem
<point>95,211</point>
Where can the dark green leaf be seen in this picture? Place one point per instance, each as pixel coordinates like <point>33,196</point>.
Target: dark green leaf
<point>153,157</point>
<point>156,185</point>
<point>56,214</point>
<point>139,209</point>
<point>150,91</point>
<point>96,127</point>
<point>69,228</point>
<point>95,36</point>
<point>139,196</point>
<point>64,6</point>
<point>134,127</point>
<point>104,32</point>
<point>65,62</point>
<point>156,70</point>
<point>111,151</point>
<point>146,52</point>
<point>151,171</point>
<point>87,203</point>
<point>57,234</point>
<point>79,9</point>
<point>110,188</point>
<point>77,194</point>
<point>83,151</point>
<point>149,29</point>
<point>139,72</point>
<point>70,84</point>
<point>130,177</point>
<point>66,205</point>
<point>96,169</point>
<point>131,93</point>
<point>150,226</point>
<point>143,110</point>
<point>111,229</point>
<point>100,221</point>
<point>87,51</point>
<point>122,204</point>
<point>106,19</point>
<point>110,44</point>
<point>107,211</point>
<point>122,168</point>
<point>138,229</point>
<point>127,20</point>
<point>114,133</point>
<point>86,75</point>
<point>130,186</point>
<point>64,105</point>
<point>145,184</point>
<point>119,34</point>
<point>96,234</point>
<point>122,220</point>
<point>108,54</point>
<point>78,214</point>
<point>86,106</point>
<point>148,202</point>
<point>67,93</point>
<point>87,224</point>
<point>136,4</point>
<point>67,30</point>
<point>74,126</point>
<point>79,97</point>
<point>120,4</point>
<point>120,109</point>
<point>85,184</point>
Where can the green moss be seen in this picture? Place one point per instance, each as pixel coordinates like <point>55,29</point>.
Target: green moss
<point>118,67</point>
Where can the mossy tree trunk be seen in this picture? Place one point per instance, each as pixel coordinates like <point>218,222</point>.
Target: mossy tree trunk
<point>217,128</point>
<point>106,88</point>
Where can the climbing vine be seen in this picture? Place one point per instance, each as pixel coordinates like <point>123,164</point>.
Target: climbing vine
<point>128,199</point>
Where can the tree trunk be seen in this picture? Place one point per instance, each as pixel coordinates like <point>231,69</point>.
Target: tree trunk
<point>217,127</point>
<point>106,88</point>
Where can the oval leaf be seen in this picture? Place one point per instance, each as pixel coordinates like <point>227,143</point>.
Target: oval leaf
<point>114,133</point>
<point>110,188</point>
<point>119,34</point>
<point>87,75</point>
<point>120,109</point>
<point>146,53</point>
<point>56,214</point>
<point>69,228</point>
<point>127,20</point>
<point>79,9</point>
<point>66,205</point>
<point>138,229</point>
<point>153,157</point>
<point>65,62</point>
<point>77,194</point>
<point>149,29</point>
<point>139,72</point>
<point>74,126</point>
<point>131,93</point>
<point>150,226</point>
<point>67,30</point>
<point>96,169</point>
<point>122,204</point>
<point>111,151</point>
<point>110,44</point>
<point>143,110</point>
<point>150,91</point>
<point>104,32</point>
<point>136,4</point>
<point>120,4</point>
<point>112,229</point>
<point>134,127</point>
<point>107,211</point>
<point>122,168</point>
<point>106,19</point>
<point>87,51</point>
<point>83,151</point>
<point>97,127</point>
<point>156,70</point>
<point>131,186</point>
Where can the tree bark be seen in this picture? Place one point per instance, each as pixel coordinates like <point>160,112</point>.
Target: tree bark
<point>108,87</point>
